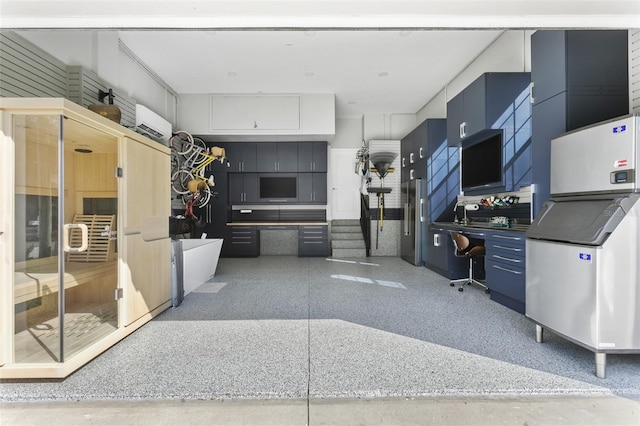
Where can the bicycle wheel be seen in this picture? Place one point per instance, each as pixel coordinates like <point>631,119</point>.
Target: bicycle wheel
<point>180,181</point>
<point>181,142</point>
<point>204,195</point>
<point>201,147</point>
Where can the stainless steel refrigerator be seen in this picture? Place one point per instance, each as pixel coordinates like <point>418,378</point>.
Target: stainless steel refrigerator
<point>583,248</point>
<point>412,199</point>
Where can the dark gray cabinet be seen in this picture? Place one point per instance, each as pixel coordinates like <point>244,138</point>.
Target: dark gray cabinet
<point>242,156</point>
<point>482,104</point>
<point>277,156</point>
<point>243,188</point>
<point>579,77</point>
<point>505,268</point>
<point>241,241</point>
<point>312,188</point>
<point>313,240</point>
<point>312,156</point>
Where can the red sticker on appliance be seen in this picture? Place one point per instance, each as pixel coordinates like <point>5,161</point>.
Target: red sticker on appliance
<point>620,163</point>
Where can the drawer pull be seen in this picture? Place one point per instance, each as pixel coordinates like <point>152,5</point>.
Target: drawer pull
<point>504,237</point>
<point>508,270</point>
<point>508,259</point>
<point>508,248</point>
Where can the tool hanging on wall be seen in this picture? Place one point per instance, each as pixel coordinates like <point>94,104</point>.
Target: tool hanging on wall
<point>381,167</point>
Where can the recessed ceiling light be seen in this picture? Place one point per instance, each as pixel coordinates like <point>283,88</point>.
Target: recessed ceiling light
<point>383,74</point>
<point>351,102</point>
<point>288,44</point>
<point>309,74</point>
<point>232,73</point>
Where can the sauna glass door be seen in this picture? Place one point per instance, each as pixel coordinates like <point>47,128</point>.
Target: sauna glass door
<point>65,275</point>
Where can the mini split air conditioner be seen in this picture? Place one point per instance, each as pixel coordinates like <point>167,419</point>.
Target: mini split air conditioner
<point>152,125</point>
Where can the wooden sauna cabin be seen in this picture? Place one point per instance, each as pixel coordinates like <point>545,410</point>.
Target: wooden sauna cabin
<point>84,239</point>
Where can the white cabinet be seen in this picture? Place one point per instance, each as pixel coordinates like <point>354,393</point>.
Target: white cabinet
<point>309,115</point>
<point>254,113</point>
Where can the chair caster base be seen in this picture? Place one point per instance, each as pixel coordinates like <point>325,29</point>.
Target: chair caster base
<point>460,289</point>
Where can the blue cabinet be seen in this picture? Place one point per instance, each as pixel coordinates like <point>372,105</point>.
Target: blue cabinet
<point>487,103</point>
<point>505,268</point>
<point>579,77</point>
<point>416,146</point>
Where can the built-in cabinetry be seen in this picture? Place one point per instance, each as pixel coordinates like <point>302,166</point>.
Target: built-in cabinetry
<point>242,157</point>
<point>241,241</point>
<point>485,104</point>
<point>441,254</point>
<point>243,188</point>
<point>505,268</point>
<point>312,157</point>
<point>578,77</point>
<point>277,156</point>
<point>312,188</point>
<point>274,115</point>
<point>254,112</point>
<point>71,181</point>
<point>313,240</point>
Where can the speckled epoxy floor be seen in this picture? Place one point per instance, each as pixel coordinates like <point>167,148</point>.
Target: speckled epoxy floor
<point>289,327</point>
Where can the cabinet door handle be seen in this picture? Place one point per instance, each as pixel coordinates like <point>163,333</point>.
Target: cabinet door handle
<point>531,99</point>
<point>508,259</point>
<point>421,156</point>
<point>411,174</point>
<point>508,248</point>
<point>421,210</point>
<point>463,130</point>
<point>436,240</point>
<point>507,270</point>
<point>403,162</point>
<point>411,157</point>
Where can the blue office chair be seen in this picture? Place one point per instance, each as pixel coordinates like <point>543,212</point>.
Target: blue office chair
<point>463,247</point>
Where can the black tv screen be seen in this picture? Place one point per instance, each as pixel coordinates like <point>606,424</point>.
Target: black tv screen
<point>278,187</point>
<point>481,163</point>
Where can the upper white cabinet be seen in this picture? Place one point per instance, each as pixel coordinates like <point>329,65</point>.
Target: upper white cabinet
<point>254,113</point>
<point>309,115</point>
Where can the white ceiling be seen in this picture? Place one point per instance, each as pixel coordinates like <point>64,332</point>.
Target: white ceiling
<point>368,71</point>
<point>374,55</point>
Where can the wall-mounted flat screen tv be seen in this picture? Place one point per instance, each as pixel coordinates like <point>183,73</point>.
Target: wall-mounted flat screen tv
<point>278,188</point>
<point>481,163</point>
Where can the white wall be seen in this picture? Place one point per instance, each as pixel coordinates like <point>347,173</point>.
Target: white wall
<point>101,52</point>
<point>510,52</point>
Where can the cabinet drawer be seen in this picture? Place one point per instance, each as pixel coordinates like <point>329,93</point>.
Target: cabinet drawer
<point>506,279</point>
<point>313,231</point>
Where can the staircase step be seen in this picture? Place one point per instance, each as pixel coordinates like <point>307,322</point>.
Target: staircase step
<point>338,244</point>
<point>347,236</point>
<point>349,252</point>
<point>345,222</point>
<point>344,228</point>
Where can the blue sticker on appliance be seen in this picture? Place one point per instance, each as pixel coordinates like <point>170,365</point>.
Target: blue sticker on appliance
<point>585,256</point>
<point>620,129</point>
